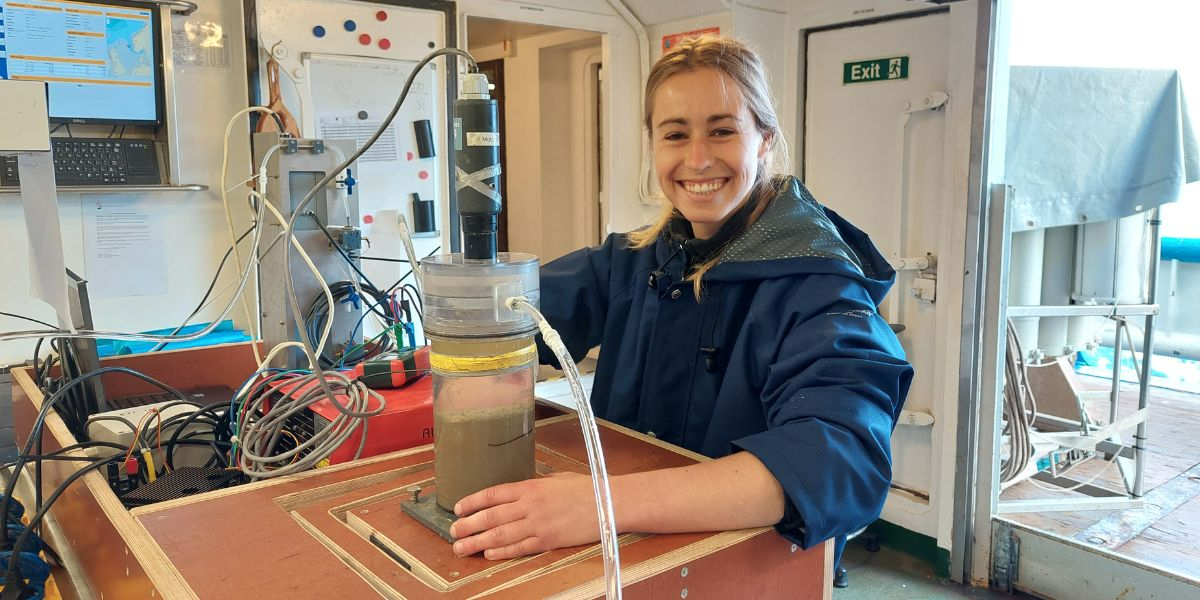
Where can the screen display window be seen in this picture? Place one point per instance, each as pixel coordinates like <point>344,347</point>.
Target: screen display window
<point>99,60</point>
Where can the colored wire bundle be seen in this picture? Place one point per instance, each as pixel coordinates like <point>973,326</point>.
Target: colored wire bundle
<point>258,439</point>
<point>346,292</point>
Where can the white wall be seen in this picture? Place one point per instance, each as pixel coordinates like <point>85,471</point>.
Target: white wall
<point>567,164</point>
<point>193,222</point>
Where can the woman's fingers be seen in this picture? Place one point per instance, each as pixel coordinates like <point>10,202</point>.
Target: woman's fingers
<point>509,534</point>
<point>525,547</point>
<point>499,494</point>
<point>486,519</point>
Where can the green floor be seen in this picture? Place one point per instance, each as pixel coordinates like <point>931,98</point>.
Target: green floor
<point>896,576</point>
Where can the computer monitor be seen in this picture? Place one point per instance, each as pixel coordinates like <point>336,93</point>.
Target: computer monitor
<point>101,59</point>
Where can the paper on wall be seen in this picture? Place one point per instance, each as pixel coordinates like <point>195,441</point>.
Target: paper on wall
<point>124,249</point>
<point>39,198</point>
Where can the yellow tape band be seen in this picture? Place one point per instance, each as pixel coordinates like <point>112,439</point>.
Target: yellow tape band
<point>481,364</point>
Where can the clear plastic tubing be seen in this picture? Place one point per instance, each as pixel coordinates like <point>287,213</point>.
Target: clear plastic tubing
<point>484,363</point>
<point>591,438</point>
<point>481,317</point>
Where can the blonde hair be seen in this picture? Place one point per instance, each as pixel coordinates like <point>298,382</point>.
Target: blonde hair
<point>742,65</point>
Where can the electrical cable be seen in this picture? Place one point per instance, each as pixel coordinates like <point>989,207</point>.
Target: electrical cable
<point>383,259</point>
<point>255,466</point>
<point>319,311</point>
<point>207,292</point>
<point>13,583</point>
<point>1017,394</point>
<point>400,281</point>
<point>35,436</point>
<point>259,439</point>
<point>30,319</point>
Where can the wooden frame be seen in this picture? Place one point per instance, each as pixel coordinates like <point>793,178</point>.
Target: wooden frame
<point>243,541</point>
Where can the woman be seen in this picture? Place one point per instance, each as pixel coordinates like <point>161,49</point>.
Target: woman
<point>741,325</point>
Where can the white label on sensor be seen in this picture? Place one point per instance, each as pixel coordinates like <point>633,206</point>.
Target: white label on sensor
<point>477,138</point>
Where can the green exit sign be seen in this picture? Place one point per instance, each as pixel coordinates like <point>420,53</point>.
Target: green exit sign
<point>878,69</point>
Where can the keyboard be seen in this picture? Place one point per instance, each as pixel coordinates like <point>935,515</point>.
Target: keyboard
<point>87,161</point>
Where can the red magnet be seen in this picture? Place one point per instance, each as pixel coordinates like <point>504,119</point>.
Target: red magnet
<point>423,174</point>
<point>364,39</point>
<point>381,15</point>
<point>384,44</point>
<point>410,155</point>
<point>368,219</point>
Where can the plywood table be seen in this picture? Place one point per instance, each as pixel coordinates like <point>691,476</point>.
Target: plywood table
<point>339,533</point>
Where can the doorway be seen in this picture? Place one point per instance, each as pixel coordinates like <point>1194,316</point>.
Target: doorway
<point>1087,423</point>
<point>550,163</point>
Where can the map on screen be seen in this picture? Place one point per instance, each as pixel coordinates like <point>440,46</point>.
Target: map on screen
<point>98,59</point>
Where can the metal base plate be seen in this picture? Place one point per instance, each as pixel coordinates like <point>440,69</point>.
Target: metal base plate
<point>427,512</point>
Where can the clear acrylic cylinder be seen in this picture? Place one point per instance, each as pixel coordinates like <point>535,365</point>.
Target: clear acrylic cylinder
<point>483,418</point>
<point>484,364</point>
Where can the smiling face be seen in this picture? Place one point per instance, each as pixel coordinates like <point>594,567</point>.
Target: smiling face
<point>707,148</point>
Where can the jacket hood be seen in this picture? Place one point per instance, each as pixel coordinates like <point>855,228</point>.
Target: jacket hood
<point>796,234</point>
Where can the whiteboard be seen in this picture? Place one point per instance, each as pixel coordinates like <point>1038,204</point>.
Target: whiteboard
<point>350,98</point>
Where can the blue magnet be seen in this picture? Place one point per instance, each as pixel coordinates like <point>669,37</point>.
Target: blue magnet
<point>319,31</point>
<point>350,25</point>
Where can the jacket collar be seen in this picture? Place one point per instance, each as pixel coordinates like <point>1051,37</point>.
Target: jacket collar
<point>697,251</point>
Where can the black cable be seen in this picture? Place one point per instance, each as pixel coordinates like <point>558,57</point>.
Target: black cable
<point>61,453</point>
<point>415,296</point>
<point>211,286</point>
<point>13,582</point>
<point>404,292</point>
<point>319,311</point>
<point>174,439</point>
<point>406,275</point>
<point>35,433</point>
<point>336,246</point>
<point>382,259</point>
<point>15,316</point>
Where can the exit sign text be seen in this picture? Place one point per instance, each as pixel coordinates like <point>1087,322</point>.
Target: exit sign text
<point>879,69</point>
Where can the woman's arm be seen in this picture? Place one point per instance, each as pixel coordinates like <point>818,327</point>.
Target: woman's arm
<point>511,520</point>
<point>836,381</point>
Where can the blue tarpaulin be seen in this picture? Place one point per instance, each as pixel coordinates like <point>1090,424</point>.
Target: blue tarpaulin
<point>224,333</point>
<point>1088,145</point>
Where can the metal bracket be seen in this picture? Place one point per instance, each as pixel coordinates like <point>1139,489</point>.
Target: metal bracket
<point>1006,552</point>
<point>290,145</point>
<point>178,6</point>
<point>427,512</point>
<point>318,147</point>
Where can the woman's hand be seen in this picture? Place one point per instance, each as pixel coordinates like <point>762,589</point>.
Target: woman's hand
<point>517,519</point>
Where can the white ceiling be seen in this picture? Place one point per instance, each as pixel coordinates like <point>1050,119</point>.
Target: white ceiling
<point>653,12</point>
<point>489,32</point>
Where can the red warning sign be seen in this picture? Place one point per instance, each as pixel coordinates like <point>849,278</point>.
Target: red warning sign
<point>669,41</point>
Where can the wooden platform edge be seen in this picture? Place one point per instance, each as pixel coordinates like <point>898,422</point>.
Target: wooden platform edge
<point>163,575</point>
<point>635,573</point>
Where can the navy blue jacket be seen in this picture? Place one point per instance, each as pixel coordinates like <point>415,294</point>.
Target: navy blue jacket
<point>785,356</point>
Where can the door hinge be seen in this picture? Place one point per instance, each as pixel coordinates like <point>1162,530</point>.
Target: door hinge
<point>1006,551</point>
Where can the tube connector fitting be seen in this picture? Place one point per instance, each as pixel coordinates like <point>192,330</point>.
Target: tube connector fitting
<point>475,87</point>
